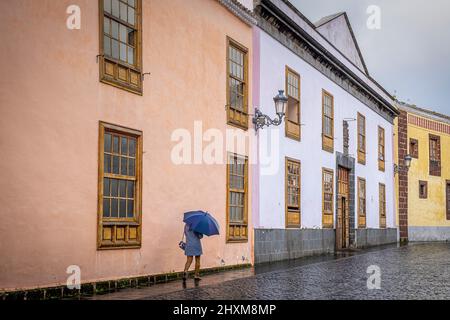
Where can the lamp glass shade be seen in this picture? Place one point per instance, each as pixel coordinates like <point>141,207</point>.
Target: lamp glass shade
<point>408,159</point>
<point>280,103</point>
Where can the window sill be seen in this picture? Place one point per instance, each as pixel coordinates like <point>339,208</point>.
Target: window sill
<point>293,136</point>
<point>120,85</point>
<point>237,125</point>
<point>231,241</point>
<point>105,247</point>
<point>327,149</point>
<point>293,227</point>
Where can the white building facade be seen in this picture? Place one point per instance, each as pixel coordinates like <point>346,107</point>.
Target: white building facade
<point>331,181</point>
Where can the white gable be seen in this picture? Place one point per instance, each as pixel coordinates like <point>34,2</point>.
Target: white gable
<point>336,29</point>
<point>247,3</point>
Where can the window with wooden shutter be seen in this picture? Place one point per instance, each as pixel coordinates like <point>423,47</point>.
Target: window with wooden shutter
<point>381,149</point>
<point>414,148</point>
<point>293,106</point>
<point>237,206</point>
<point>361,139</point>
<point>327,121</point>
<point>121,44</point>
<point>361,203</point>
<point>292,193</point>
<point>237,84</point>
<point>327,197</point>
<point>120,184</point>
<point>435,155</point>
<point>382,205</point>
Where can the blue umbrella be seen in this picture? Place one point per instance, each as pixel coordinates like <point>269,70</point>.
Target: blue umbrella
<point>202,222</point>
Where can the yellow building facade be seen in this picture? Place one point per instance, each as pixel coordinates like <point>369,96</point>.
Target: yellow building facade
<point>423,187</point>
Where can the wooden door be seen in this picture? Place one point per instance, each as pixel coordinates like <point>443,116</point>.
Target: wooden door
<point>343,221</point>
<point>447,192</point>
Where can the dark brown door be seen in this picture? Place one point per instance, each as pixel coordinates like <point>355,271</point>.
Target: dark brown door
<point>447,192</point>
<point>342,221</point>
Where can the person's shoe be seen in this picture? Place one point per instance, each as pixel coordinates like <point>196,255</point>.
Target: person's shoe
<point>197,278</point>
<point>184,276</point>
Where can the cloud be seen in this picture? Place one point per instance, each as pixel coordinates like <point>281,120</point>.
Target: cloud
<point>411,52</point>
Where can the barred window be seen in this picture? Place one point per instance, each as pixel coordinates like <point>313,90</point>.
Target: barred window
<point>121,48</point>
<point>237,175</point>
<point>119,187</point>
<point>237,90</point>
<point>292,193</point>
<point>293,105</point>
<point>435,155</point>
<point>327,198</point>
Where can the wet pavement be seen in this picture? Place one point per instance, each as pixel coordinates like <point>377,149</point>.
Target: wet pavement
<point>418,271</point>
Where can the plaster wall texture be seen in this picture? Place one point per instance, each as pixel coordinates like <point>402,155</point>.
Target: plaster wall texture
<point>338,33</point>
<point>429,212</point>
<point>51,103</point>
<point>273,59</point>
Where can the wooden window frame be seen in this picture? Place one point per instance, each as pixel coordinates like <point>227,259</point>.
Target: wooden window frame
<point>414,148</point>
<point>327,140</point>
<point>114,71</point>
<point>236,117</point>
<point>361,136</point>
<point>381,145</point>
<point>111,226</point>
<point>382,205</point>
<point>435,164</point>
<point>362,218</point>
<point>327,218</point>
<point>242,227</point>
<point>287,209</point>
<point>292,129</point>
<point>424,194</point>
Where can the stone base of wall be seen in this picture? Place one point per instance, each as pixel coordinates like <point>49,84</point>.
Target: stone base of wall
<point>284,244</point>
<point>375,237</point>
<point>104,287</point>
<point>429,233</point>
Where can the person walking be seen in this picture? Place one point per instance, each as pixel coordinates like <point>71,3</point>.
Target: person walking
<point>193,249</point>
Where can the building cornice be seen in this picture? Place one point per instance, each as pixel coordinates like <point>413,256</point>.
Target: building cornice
<point>278,24</point>
<point>240,11</point>
<point>421,112</point>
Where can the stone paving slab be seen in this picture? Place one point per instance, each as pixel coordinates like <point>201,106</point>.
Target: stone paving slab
<point>420,271</point>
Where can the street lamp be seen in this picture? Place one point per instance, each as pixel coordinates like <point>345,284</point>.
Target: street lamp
<point>261,120</point>
<point>398,168</point>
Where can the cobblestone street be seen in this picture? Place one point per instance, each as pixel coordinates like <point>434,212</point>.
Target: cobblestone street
<point>419,271</point>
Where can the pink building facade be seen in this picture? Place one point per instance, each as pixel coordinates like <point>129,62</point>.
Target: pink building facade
<point>89,121</point>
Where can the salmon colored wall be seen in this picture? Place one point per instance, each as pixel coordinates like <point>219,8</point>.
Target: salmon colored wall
<point>430,212</point>
<point>51,103</point>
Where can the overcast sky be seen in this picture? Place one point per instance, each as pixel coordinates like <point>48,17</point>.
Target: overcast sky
<point>410,54</point>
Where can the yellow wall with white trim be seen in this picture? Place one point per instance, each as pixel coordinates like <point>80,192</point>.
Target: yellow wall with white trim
<point>429,212</point>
